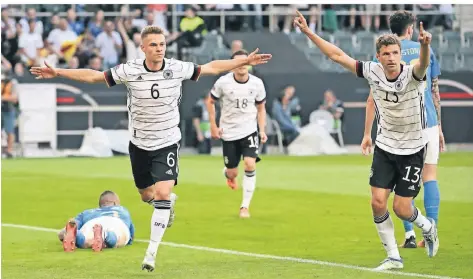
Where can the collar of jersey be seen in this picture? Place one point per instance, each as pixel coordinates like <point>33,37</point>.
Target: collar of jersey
<point>394,79</point>
<point>240,82</point>
<point>146,67</point>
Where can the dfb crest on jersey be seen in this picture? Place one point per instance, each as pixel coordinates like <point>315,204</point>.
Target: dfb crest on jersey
<point>398,85</point>
<point>167,74</point>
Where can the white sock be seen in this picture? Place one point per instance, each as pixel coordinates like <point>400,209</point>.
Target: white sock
<point>410,233</point>
<point>159,223</point>
<point>249,184</point>
<point>420,220</point>
<point>385,227</point>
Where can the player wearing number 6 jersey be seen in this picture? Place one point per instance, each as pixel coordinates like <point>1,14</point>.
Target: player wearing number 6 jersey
<point>154,87</point>
<point>398,93</point>
<point>242,98</point>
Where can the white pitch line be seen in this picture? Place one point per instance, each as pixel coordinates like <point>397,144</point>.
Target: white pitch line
<point>261,256</point>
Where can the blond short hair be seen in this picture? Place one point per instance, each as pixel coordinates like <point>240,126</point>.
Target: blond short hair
<point>151,29</point>
<point>387,40</point>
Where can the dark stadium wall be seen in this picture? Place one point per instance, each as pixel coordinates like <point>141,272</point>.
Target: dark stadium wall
<point>457,120</point>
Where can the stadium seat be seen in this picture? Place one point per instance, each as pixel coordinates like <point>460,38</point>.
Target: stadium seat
<point>468,38</point>
<point>452,40</point>
<point>273,131</point>
<point>344,40</point>
<point>325,119</point>
<point>365,41</point>
<point>449,61</point>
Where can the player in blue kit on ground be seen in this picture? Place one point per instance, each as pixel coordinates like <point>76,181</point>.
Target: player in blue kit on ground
<point>108,226</point>
<point>402,24</point>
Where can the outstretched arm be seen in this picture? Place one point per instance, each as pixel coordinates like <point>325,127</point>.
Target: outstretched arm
<point>420,68</point>
<point>217,67</point>
<point>330,50</point>
<point>82,75</point>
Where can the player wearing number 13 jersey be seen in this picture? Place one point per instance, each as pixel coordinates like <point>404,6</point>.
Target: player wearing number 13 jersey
<point>242,100</point>
<point>398,92</point>
<point>154,93</point>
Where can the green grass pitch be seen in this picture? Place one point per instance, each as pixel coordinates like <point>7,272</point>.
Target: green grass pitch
<point>314,208</point>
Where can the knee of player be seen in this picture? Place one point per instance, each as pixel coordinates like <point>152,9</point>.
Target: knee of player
<point>429,173</point>
<point>403,210</point>
<point>378,203</point>
<point>250,164</point>
<point>231,173</point>
<point>147,196</point>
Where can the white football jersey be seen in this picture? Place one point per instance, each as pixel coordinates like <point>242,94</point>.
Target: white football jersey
<point>153,99</point>
<point>238,105</point>
<point>399,106</point>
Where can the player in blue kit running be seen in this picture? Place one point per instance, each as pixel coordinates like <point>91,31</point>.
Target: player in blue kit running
<point>402,24</point>
<point>108,226</point>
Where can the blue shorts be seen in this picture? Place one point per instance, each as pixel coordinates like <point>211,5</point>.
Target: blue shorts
<point>8,121</point>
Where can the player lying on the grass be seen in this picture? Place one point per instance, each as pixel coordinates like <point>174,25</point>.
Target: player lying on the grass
<point>154,86</point>
<point>108,226</point>
<point>402,24</point>
<point>242,98</point>
<point>398,92</point>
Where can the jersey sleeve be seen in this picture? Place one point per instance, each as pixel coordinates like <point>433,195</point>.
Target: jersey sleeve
<point>79,220</point>
<point>197,111</point>
<point>261,94</point>
<point>191,71</point>
<point>216,91</point>
<point>363,69</point>
<point>116,75</point>
<point>412,76</point>
<point>434,65</point>
<point>132,233</point>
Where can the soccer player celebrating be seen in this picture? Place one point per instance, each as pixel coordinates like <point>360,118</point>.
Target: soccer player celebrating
<point>242,98</point>
<point>108,226</point>
<point>398,92</point>
<point>402,24</point>
<point>154,87</point>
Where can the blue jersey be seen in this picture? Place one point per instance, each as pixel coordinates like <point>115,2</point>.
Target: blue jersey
<point>111,211</point>
<point>410,55</point>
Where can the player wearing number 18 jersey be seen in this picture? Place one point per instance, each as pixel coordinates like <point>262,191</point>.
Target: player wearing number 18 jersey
<point>398,92</point>
<point>154,92</point>
<point>242,101</point>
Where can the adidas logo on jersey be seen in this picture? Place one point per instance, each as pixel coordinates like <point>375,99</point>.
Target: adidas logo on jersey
<point>169,172</point>
<point>412,188</point>
<point>139,78</point>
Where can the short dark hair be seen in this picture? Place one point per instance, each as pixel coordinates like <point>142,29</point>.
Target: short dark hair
<point>387,40</point>
<point>151,30</point>
<point>105,194</point>
<point>400,21</point>
<point>240,52</point>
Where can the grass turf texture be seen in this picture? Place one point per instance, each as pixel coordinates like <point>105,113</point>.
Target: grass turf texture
<point>311,207</point>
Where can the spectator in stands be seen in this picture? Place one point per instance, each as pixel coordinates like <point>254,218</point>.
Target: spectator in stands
<point>335,107</point>
<point>110,45</point>
<point>95,63</point>
<point>25,22</point>
<point>9,104</point>
<point>8,23</point>
<point>236,46</point>
<point>76,25</point>
<point>30,44</point>
<point>96,24</point>
<point>192,31</point>
<point>281,112</point>
<point>201,124</point>
<point>73,63</point>
<point>62,41</point>
<point>9,37</point>
<point>86,48</point>
<point>132,46</point>
<point>159,13</point>
<point>51,25</point>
